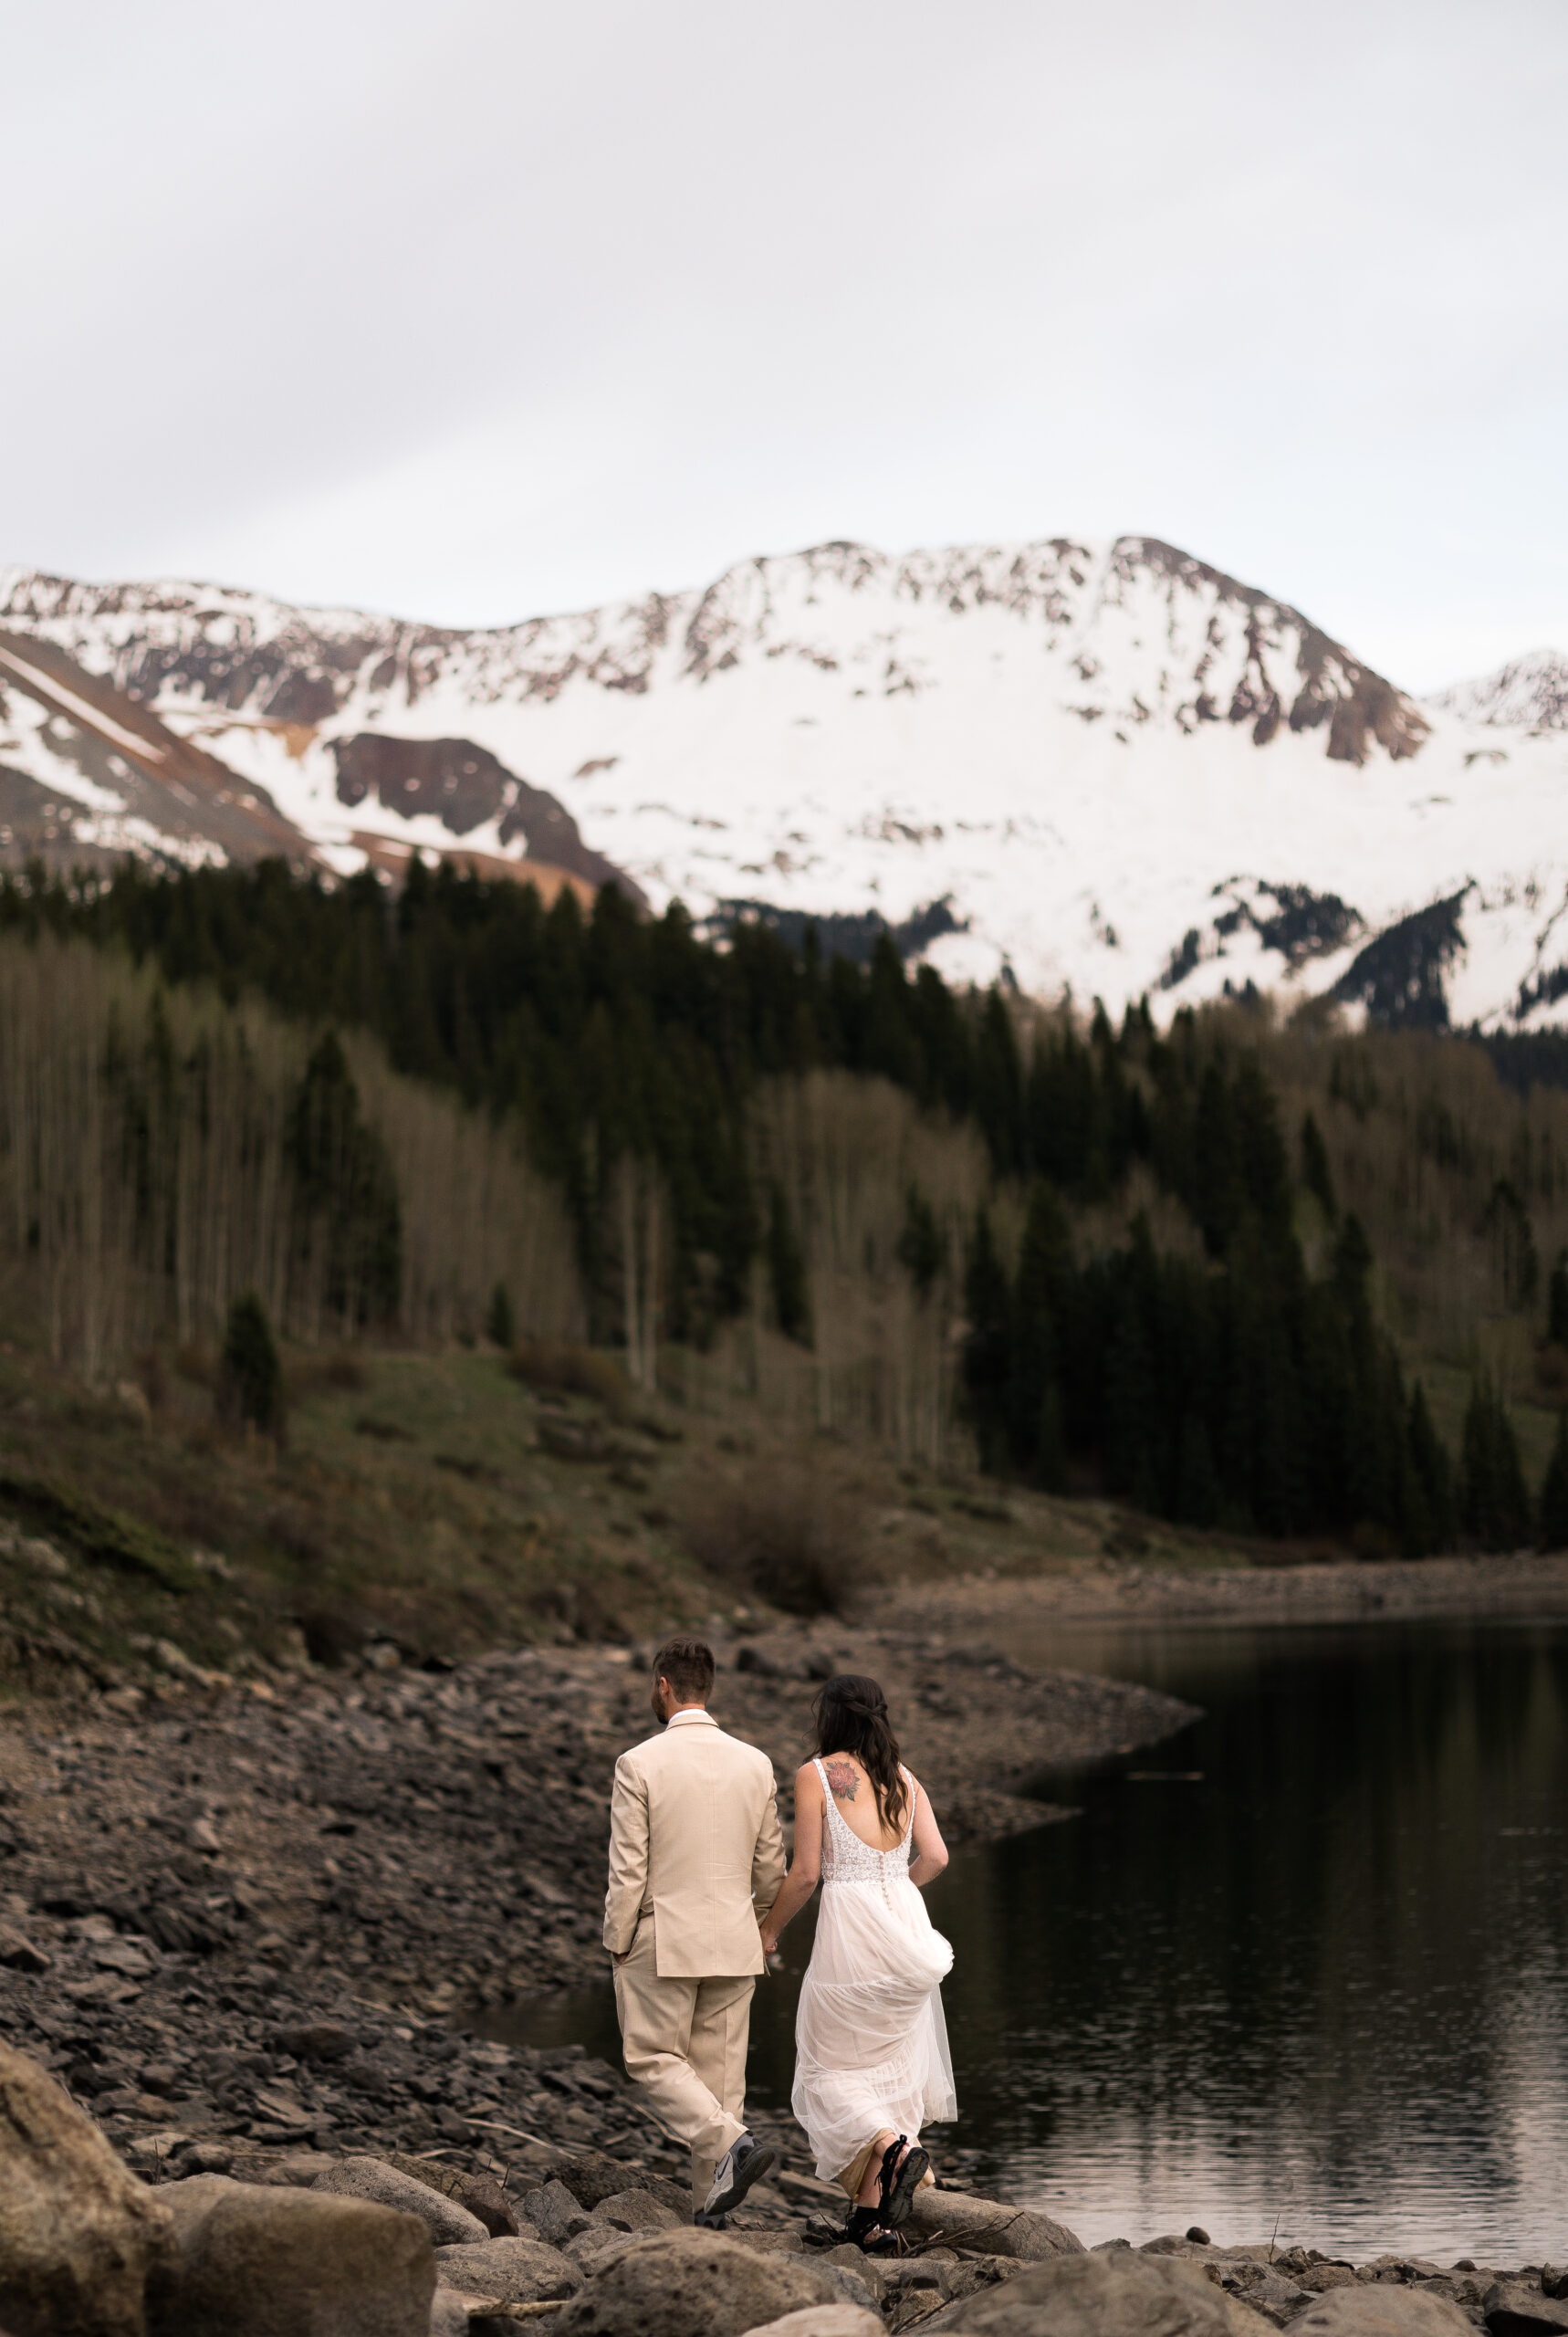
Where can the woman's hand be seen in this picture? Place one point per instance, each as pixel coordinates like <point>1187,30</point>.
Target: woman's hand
<point>770,1941</point>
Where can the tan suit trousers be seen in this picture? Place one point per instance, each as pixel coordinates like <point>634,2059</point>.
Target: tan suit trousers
<point>684,2042</point>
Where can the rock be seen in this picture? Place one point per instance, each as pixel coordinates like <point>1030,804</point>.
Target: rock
<point>484,2199</point>
<point>266,2260</point>
<point>1382,2310</point>
<point>1278,2299</point>
<point>319,2040</point>
<point>1113,2294</point>
<point>79,2234</point>
<point>853,2284</point>
<point>448,2314</point>
<point>809,2190</point>
<point>824,2320</point>
<point>207,2158</point>
<point>593,2249</point>
<point>593,2175</point>
<point>19,1952</point>
<point>555,2214</point>
<point>636,2211</point>
<point>1517,2309</point>
<point>965,2221</point>
<point>693,2284</point>
<point>509,2271</point>
<point>450,2225</point>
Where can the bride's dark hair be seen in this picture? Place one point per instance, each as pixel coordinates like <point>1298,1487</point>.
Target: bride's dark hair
<point>851,1713</point>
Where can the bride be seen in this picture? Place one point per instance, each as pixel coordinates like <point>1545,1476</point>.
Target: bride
<point>872,2064</point>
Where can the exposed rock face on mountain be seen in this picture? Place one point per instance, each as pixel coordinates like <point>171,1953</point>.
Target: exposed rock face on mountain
<point>122,780</point>
<point>1107,767</point>
<point>464,787</point>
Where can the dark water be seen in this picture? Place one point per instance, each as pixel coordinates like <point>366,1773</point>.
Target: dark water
<point>1308,1960</point>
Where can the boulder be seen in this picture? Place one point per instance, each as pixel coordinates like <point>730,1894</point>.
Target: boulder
<point>484,2199</point>
<point>990,2225</point>
<point>448,2314</point>
<point>593,2249</point>
<point>555,2213</point>
<point>509,2271</point>
<point>1523,2309</point>
<point>693,2284</point>
<point>593,2175</point>
<point>1382,2310</point>
<point>824,2320</point>
<point>450,2224</point>
<point>1118,2294</point>
<point>79,2234</point>
<point>480,2194</point>
<point>266,2260</point>
<point>636,2211</point>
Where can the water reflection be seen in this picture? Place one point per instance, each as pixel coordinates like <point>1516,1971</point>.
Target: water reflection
<point>1307,1963</point>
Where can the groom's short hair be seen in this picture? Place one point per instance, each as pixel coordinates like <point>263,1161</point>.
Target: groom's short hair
<point>687,1665</point>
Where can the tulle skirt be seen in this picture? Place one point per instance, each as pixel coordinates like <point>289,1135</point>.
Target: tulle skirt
<point>870,2042</point>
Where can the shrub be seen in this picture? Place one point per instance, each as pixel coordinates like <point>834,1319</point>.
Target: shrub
<point>250,1377</point>
<point>571,1371</point>
<point>783,1535</point>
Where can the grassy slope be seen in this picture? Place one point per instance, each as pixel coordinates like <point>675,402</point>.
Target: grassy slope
<point>419,1508</point>
<point>416,1505</point>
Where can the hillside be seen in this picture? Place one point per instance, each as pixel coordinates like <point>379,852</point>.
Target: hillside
<point>1107,767</point>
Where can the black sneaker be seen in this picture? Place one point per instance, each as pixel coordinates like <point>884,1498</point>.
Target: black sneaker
<point>742,2164</point>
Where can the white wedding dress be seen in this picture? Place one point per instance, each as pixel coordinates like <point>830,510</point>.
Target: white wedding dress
<point>871,2043</point>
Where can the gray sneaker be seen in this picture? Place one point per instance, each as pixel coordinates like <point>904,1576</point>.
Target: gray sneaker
<point>742,2164</point>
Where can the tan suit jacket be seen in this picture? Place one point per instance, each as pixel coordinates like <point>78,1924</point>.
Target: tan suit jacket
<point>695,1840</point>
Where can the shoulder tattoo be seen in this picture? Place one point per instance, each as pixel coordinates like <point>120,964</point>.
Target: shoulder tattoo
<point>844,1780</point>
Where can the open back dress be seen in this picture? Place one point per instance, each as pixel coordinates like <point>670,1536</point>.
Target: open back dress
<point>870,2042</point>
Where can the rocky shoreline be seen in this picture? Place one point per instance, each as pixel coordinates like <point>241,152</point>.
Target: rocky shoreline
<point>250,1932</point>
<point>195,1893</point>
<point>220,2241</point>
<point>1128,1587</point>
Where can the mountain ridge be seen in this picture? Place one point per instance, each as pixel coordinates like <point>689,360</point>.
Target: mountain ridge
<point>1109,763</point>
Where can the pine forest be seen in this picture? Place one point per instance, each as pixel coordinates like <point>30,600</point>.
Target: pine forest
<point>1278,1280</point>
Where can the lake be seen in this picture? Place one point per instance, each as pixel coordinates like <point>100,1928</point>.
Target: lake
<point>1305,1964</point>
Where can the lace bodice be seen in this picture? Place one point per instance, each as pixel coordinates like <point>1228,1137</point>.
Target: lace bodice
<point>846,1858</point>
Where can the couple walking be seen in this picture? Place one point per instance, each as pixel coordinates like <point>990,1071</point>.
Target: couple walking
<point>698,1896</point>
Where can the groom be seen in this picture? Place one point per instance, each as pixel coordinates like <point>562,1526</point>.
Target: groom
<point>695,1859</point>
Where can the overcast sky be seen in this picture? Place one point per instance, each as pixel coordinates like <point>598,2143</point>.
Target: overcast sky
<point>478,310</point>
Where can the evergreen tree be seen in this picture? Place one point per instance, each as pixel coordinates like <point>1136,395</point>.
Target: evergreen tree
<point>922,1250</point>
<point>1200,1497</point>
<point>1044,1270</point>
<point>1316,1174</point>
<point>500,1324</point>
<point>349,1220</point>
<point>988,1344</point>
<point>786,1271</point>
<point>1554,1491</point>
<point>1432,1517</point>
<point>250,1375</point>
<point>1557,1302</point>
<point>1050,1455</point>
<point>1494,1507</point>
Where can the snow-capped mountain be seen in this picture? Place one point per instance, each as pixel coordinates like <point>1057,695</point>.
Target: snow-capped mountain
<point>1530,694</point>
<point>1103,766</point>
